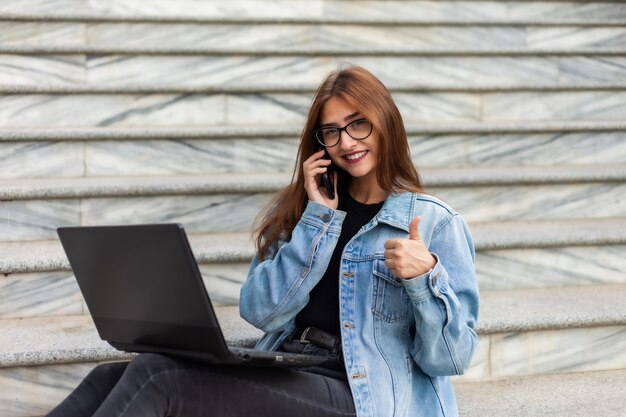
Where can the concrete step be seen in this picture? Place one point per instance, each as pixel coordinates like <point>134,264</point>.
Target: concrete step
<point>89,152</point>
<point>571,395</point>
<point>32,209</point>
<point>306,51</point>
<point>546,51</point>
<point>58,352</point>
<point>290,109</point>
<point>292,131</point>
<point>574,330</point>
<point>542,331</point>
<point>579,12</point>
<point>38,282</point>
<point>505,319</point>
<point>85,187</point>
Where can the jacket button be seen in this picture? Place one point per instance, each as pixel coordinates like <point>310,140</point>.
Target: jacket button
<point>357,376</point>
<point>325,217</point>
<point>348,325</point>
<point>435,279</point>
<point>348,274</point>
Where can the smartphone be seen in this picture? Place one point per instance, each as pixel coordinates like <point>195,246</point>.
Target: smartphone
<point>328,178</point>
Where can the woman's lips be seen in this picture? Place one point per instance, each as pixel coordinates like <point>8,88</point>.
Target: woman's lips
<point>355,157</point>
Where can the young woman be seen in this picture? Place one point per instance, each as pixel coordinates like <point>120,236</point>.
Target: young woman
<point>361,267</point>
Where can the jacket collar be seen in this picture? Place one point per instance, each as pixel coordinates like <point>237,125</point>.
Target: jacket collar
<point>397,210</point>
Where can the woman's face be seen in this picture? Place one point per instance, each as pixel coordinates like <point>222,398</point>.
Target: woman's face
<point>357,157</point>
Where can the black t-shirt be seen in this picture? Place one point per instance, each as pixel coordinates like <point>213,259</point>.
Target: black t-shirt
<point>322,310</point>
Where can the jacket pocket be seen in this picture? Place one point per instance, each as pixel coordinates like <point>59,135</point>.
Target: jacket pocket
<point>390,302</point>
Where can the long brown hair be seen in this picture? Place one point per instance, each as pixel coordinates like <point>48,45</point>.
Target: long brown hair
<point>394,170</point>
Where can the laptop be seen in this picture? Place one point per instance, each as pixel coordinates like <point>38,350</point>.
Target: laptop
<point>145,293</point>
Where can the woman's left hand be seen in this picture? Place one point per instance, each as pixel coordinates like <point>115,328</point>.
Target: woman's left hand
<point>409,258</point>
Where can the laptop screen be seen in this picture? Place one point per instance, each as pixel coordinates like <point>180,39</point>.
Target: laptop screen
<point>142,285</point>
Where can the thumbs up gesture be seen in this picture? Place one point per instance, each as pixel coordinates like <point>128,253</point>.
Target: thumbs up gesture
<point>408,258</point>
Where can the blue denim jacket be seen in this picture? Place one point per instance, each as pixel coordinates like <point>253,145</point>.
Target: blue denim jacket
<point>401,338</point>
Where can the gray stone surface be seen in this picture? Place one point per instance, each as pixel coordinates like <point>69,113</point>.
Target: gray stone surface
<point>31,342</point>
<point>306,51</point>
<point>38,341</point>
<point>383,12</point>
<point>53,293</point>
<point>455,68</point>
<point>544,233</point>
<point>224,132</point>
<point>27,189</point>
<point>588,394</point>
<point>237,247</point>
<point>309,89</point>
<point>46,340</point>
<point>15,189</point>
<point>552,308</point>
<point>49,255</point>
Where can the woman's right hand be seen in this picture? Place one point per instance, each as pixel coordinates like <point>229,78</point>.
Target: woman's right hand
<point>313,168</point>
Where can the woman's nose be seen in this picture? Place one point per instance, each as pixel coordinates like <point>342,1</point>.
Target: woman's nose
<point>346,141</point>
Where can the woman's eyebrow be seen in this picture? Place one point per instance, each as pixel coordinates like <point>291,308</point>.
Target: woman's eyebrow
<point>348,117</point>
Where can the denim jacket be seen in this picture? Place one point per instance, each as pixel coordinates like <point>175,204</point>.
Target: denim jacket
<point>402,339</point>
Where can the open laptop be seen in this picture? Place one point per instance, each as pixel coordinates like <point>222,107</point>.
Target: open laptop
<point>145,293</point>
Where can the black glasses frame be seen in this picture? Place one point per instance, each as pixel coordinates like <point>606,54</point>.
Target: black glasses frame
<point>318,133</point>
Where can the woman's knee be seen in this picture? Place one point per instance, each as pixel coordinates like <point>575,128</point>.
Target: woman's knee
<point>107,373</point>
<point>147,365</point>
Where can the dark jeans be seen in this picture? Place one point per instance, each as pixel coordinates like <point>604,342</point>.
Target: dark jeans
<point>158,386</point>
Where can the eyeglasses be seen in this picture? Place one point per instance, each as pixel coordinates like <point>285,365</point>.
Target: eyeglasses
<point>330,136</point>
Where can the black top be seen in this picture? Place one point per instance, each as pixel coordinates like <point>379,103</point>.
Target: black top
<point>322,310</point>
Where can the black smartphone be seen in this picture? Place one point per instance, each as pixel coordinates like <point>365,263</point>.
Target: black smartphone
<point>328,178</point>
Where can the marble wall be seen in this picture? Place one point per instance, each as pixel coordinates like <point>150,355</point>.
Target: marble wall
<point>293,37</point>
<point>551,267</point>
<point>490,150</point>
<point>40,294</point>
<point>226,212</point>
<point>186,110</point>
<point>567,350</point>
<point>36,219</point>
<point>279,72</point>
<point>548,351</point>
<point>34,390</point>
<point>450,88</point>
<point>27,159</point>
<point>113,110</point>
<point>41,159</point>
<point>56,293</point>
<point>535,202</point>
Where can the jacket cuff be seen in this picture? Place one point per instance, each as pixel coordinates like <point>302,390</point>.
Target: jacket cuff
<point>427,285</point>
<point>319,215</point>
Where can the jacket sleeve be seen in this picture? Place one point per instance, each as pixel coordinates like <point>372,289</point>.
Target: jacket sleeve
<point>445,303</point>
<point>278,287</point>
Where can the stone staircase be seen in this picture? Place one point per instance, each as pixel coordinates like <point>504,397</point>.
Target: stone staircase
<point>118,111</point>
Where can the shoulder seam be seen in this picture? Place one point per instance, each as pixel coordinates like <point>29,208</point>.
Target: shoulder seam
<point>436,201</point>
<point>443,224</point>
